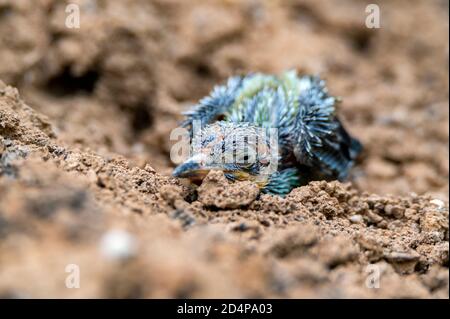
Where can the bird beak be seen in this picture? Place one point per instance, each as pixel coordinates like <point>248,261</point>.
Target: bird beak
<point>192,169</point>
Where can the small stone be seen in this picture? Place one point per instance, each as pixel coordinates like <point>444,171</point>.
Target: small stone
<point>374,217</point>
<point>403,262</point>
<point>396,211</point>
<point>438,203</point>
<point>117,244</point>
<point>357,219</point>
<point>149,169</point>
<point>383,224</point>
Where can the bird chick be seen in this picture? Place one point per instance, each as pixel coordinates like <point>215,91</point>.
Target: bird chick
<point>277,131</point>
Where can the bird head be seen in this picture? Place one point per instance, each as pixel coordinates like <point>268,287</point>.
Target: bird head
<point>241,151</point>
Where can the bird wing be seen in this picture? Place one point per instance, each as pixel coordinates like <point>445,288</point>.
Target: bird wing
<point>211,107</point>
<point>321,141</point>
<point>236,101</point>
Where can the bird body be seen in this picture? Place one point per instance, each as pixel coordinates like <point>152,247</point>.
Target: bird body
<point>238,121</point>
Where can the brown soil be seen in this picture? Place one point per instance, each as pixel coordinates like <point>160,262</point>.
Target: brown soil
<point>84,150</point>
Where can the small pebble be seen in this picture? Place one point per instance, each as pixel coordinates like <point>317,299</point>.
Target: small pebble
<point>437,202</point>
<point>356,219</point>
<point>118,244</point>
<point>149,169</point>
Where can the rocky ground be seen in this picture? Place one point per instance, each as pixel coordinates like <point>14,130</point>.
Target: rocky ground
<point>84,152</point>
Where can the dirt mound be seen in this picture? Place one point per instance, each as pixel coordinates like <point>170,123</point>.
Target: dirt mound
<point>85,170</point>
<point>316,242</point>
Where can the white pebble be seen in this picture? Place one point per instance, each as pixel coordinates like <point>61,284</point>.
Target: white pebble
<point>437,202</point>
<point>356,219</point>
<point>117,244</point>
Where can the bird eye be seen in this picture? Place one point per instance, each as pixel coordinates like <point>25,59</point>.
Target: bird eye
<point>246,158</point>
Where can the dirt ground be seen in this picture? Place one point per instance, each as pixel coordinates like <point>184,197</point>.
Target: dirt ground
<point>85,185</point>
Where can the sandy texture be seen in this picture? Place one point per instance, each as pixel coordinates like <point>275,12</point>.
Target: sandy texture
<point>84,151</point>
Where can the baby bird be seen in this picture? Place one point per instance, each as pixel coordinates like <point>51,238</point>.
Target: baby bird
<point>278,131</point>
